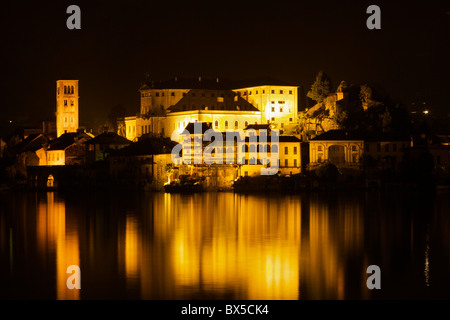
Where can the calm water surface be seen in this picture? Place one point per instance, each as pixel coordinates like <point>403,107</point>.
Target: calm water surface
<point>224,245</point>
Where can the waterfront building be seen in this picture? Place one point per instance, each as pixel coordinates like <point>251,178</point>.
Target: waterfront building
<point>169,106</point>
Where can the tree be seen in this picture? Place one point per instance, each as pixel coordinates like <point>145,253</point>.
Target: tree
<point>320,88</point>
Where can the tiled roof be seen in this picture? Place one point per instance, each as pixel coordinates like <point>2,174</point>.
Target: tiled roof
<point>147,146</point>
<point>108,138</point>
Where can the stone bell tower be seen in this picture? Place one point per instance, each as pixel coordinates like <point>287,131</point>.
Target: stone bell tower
<point>66,106</point>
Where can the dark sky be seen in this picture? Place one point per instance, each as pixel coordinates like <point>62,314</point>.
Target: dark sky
<point>120,41</point>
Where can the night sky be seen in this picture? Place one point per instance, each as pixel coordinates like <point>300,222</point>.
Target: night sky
<point>120,41</point>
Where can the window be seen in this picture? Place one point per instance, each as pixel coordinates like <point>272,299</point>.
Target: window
<point>319,148</point>
<point>184,94</point>
<point>226,124</point>
<point>71,91</point>
<point>71,103</point>
<point>249,93</point>
<point>290,91</point>
<point>264,91</point>
<point>272,102</point>
<point>273,91</point>
<point>281,91</point>
<point>394,147</point>
<point>378,147</point>
<point>157,94</point>
<point>162,94</point>
<point>65,102</point>
<point>256,91</point>
<point>65,89</point>
<point>236,124</point>
<point>290,119</point>
<point>273,118</point>
<point>295,150</point>
<point>193,94</point>
<point>286,150</point>
<point>295,162</point>
<point>216,124</point>
<point>246,124</point>
<point>172,94</point>
<point>213,95</point>
<point>354,148</point>
<point>386,147</point>
<point>275,148</point>
<point>282,125</point>
<point>281,109</point>
<point>281,102</point>
<point>286,162</point>
<point>273,109</point>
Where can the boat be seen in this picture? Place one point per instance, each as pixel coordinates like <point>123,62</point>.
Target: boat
<point>185,184</point>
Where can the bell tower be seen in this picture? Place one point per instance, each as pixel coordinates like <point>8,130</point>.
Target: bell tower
<point>66,106</point>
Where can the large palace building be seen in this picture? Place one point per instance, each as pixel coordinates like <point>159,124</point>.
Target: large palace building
<point>168,107</point>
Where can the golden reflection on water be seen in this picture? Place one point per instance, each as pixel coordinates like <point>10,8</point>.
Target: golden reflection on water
<point>216,246</point>
<point>232,246</point>
<point>56,235</point>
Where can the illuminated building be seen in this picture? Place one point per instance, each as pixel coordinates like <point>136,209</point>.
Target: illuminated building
<point>66,106</point>
<point>143,164</point>
<point>169,106</point>
<point>68,149</point>
<point>350,149</point>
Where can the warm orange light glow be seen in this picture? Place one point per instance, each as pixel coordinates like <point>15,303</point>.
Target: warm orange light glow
<point>54,235</point>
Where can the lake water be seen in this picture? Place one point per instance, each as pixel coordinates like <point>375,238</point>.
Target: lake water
<point>224,245</point>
